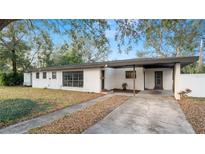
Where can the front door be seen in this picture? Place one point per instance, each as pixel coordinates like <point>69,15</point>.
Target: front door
<point>158,80</point>
<point>102,79</point>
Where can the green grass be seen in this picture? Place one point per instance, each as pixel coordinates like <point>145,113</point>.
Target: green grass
<point>197,99</point>
<point>23,103</point>
<point>12,110</point>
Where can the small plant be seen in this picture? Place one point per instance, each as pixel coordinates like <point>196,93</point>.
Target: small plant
<point>188,91</point>
<point>185,93</point>
<point>124,86</point>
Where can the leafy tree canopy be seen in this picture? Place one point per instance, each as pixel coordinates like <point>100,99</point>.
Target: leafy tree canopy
<point>35,43</point>
<point>161,38</point>
<point>27,43</point>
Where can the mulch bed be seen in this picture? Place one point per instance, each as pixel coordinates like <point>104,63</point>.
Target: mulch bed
<point>125,91</point>
<point>79,121</point>
<point>194,109</point>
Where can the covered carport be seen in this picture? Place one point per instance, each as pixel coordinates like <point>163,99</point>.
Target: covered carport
<point>173,63</point>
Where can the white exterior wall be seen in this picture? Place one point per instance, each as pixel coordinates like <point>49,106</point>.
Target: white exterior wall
<point>92,81</point>
<point>27,80</point>
<point>167,78</point>
<point>114,78</point>
<point>109,78</point>
<point>177,80</point>
<point>195,82</point>
<point>48,82</point>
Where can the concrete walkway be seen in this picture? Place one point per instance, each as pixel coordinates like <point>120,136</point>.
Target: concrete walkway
<point>24,126</point>
<point>148,112</point>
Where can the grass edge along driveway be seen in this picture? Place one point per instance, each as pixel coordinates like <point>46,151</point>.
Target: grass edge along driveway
<point>79,121</point>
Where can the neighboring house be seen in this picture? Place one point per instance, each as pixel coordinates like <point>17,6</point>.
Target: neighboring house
<point>151,73</point>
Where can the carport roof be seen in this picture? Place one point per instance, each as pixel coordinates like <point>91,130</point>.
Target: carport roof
<point>140,62</point>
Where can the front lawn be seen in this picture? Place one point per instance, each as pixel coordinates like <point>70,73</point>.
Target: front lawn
<point>79,121</point>
<point>194,109</point>
<point>22,103</point>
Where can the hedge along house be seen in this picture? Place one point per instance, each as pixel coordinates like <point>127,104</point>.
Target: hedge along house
<point>139,74</point>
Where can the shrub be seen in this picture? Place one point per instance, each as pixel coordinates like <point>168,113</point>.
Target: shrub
<point>124,86</point>
<point>1,79</point>
<point>11,79</point>
<point>185,93</point>
<point>13,109</point>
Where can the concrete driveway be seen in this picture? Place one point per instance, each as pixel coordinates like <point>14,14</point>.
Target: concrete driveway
<point>148,112</point>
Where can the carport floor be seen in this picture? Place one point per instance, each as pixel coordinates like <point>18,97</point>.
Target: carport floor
<point>146,113</point>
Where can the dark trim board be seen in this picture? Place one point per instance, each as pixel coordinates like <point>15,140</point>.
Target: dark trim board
<point>125,91</point>
<point>139,62</point>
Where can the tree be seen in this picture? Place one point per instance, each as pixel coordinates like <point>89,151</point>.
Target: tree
<point>200,65</point>
<point>161,37</point>
<point>127,34</point>
<point>21,42</point>
<point>88,38</point>
<point>65,56</point>
<point>13,46</point>
<point>85,40</point>
<point>155,33</point>
<point>44,50</point>
<point>5,22</point>
<point>184,36</point>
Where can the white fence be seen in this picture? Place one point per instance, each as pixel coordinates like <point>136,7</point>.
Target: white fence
<point>195,82</point>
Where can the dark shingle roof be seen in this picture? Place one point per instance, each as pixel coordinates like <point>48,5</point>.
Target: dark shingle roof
<point>146,62</point>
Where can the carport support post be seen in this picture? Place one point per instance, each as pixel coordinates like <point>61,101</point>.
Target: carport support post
<point>134,80</point>
<point>177,73</point>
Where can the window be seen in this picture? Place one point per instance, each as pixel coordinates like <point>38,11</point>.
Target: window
<point>53,75</point>
<point>73,79</point>
<point>37,75</point>
<point>44,75</point>
<point>130,74</point>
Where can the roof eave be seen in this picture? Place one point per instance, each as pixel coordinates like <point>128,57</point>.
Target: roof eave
<point>124,63</point>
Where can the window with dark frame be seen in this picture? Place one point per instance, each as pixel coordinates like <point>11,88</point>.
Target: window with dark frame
<point>44,75</point>
<point>130,74</point>
<point>73,79</point>
<point>53,75</point>
<point>37,75</point>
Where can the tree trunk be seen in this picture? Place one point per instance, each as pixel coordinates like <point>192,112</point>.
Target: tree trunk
<point>14,67</point>
<point>5,22</point>
<point>177,54</point>
<point>200,64</point>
